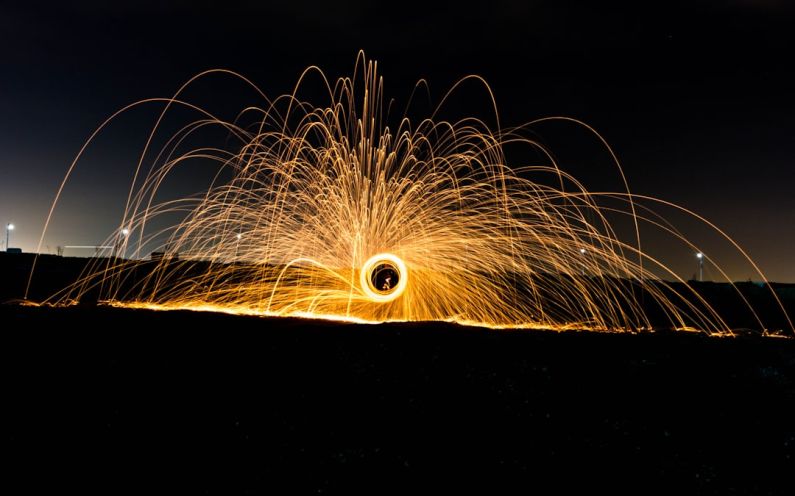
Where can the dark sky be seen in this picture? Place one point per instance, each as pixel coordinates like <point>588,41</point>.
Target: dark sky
<point>697,98</point>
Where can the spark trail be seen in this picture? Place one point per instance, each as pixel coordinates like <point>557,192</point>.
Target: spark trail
<point>327,211</point>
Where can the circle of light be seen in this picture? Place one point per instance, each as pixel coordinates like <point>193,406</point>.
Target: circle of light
<point>367,285</point>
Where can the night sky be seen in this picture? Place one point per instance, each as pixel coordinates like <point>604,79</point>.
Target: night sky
<point>697,98</point>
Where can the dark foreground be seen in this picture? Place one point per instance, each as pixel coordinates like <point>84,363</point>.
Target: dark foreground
<point>144,402</point>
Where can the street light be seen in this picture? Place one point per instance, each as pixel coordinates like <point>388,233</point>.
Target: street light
<point>121,241</point>
<point>9,228</point>
<point>582,252</point>
<point>700,257</point>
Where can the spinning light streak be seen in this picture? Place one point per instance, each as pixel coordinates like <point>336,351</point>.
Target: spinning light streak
<point>327,211</point>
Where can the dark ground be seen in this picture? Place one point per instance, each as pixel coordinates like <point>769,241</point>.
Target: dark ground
<point>109,401</point>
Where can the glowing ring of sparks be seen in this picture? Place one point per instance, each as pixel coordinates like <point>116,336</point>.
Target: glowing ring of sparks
<point>367,274</point>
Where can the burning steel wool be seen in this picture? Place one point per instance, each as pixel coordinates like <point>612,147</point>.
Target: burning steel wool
<point>324,210</point>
